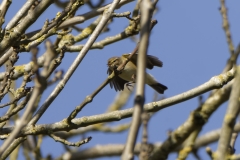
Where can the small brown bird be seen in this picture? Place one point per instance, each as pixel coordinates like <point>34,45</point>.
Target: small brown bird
<point>128,74</point>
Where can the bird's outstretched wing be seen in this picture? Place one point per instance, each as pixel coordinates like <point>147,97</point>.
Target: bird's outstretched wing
<point>151,60</point>
<point>116,82</point>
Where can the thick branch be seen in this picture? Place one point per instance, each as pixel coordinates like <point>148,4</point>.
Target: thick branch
<point>229,119</point>
<point>146,8</point>
<point>213,83</point>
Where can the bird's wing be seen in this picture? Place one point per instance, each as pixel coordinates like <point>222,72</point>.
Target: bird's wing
<point>151,60</point>
<point>116,82</point>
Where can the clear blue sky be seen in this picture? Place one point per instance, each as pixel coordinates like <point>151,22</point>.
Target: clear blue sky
<point>190,41</point>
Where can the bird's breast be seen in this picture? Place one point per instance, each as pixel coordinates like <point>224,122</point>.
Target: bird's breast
<point>128,72</point>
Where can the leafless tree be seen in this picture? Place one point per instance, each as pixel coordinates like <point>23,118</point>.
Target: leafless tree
<point>27,102</point>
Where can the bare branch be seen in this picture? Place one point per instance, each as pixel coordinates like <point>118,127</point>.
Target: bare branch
<point>20,14</point>
<point>226,28</point>
<point>213,83</point>
<point>146,7</point>
<point>229,119</point>
<point>12,35</point>
<point>195,121</point>
<point>77,61</point>
<point>77,144</point>
<point>10,149</point>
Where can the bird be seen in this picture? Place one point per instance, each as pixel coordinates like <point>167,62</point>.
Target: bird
<point>128,74</point>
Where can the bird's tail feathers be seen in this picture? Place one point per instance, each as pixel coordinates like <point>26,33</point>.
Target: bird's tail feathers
<point>160,88</point>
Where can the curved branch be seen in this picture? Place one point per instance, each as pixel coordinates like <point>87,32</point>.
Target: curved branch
<point>214,83</point>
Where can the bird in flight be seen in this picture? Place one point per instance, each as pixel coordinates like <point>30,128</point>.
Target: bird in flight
<point>128,74</point>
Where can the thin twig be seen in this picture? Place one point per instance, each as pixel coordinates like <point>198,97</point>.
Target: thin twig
<point>17,108</point>
<point>77,144</point>
<point>3,10</point>
<point>226,27</point>
<point>145,146</point>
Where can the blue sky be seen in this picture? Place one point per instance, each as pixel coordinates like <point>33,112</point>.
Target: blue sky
<point>188,38</point>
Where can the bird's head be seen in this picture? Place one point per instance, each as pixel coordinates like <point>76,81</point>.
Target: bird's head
<point>114,62</point>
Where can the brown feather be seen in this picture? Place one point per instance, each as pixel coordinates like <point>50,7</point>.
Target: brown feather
<point>160,88</point>
<point>151,60</point>
<point>117,82</point>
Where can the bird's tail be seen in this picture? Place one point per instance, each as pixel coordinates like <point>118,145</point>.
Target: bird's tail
<point>160,88</point>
